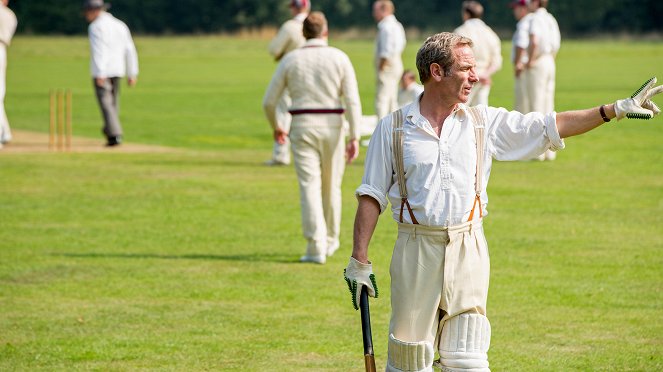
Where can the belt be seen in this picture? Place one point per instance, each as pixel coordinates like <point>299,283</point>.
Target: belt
<point>316,111</point>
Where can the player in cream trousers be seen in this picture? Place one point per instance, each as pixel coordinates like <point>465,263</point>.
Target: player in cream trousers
<point>321,80</point>
<point>440,263</point>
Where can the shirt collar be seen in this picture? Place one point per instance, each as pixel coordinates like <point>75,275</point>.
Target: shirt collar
<point>413,112</point>
<point>315,42</point>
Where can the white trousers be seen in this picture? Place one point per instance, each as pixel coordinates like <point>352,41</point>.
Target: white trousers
<point>521,99</point>
<point>541,84</point>
<point>386,90</point>
<point>5,131</point>
<point>281,153</point>
<point>436,274</point>
<point>317,142</point>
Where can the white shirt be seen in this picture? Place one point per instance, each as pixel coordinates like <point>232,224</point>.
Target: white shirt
<point>390,40</point>
<point>7,24</point>
<point>521,37</point>
<point>409,94</point>
<point>487,47</point>
<point>112,51</point>
<point>546,29</point>
<point>440,172</point>
<point>289,37</point>
<point>318,77</point>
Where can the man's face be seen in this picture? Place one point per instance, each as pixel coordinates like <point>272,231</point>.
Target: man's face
<point>458,84</point>
<point>378,12</point>
<point>91,14</point>
<point>519,11</point>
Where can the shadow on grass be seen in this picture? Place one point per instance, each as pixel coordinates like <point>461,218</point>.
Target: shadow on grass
<point>277,258</point>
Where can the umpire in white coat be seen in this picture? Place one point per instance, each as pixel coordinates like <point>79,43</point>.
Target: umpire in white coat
<point>321,80</point>
<point>112,56</point>
<point>288,38</point>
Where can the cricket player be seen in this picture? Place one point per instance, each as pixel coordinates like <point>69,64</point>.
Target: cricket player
<point>431,160</point>
<point>487,50</point>
<point>544,43</point>
<point>519,45</point>
<point>321,80</point>
<point>288,38</point>
<point>7,28</point>
<point>112,56</point>
<point>389,45</point>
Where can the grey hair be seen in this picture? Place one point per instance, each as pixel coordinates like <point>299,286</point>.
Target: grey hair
<point>439,49</point>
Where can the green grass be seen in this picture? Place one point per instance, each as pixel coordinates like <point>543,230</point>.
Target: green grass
<point>187,260</point>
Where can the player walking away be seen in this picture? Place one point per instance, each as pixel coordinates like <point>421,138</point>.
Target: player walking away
<point>431,160</point>
<point>321,81</point>
<point>288,38</point>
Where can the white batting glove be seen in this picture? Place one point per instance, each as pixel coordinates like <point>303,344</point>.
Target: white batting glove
<point>358,274</point>
<point>639,105</point>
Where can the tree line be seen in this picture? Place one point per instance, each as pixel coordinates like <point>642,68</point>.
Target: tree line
<point>575,17</point>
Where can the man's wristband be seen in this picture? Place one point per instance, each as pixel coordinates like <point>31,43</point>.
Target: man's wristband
<point>603,115</point>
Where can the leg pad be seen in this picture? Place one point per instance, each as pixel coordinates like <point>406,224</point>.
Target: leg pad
<point>464,343</point>
<point>409,356</point>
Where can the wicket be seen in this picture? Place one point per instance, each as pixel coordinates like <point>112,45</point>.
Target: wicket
<point>60,120</point>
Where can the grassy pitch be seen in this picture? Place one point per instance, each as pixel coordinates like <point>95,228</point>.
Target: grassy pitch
<point>187,260</point>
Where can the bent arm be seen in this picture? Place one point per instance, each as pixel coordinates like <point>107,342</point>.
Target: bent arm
<point>366,219</point>
<point>573,123</point>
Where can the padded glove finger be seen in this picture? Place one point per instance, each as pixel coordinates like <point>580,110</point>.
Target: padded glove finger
<point>357,275</point>
<point>650,105</point>
<point>638,106</point>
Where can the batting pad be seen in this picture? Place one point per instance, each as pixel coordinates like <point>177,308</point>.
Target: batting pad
<point>409,356</point>
<point>464,343</point>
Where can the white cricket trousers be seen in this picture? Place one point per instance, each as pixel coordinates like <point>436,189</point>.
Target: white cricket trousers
<point>5,131</point>
<point>386,90</point>
<point>436,274</point>
<point>317,142</point>
<point>541,84</point>
<point>521,99</point>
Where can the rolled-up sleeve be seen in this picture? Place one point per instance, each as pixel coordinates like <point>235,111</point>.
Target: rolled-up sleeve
<point>378,172</point>
<point>516,136</point>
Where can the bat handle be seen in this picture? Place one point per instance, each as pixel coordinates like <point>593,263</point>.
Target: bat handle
<point>369,358</point>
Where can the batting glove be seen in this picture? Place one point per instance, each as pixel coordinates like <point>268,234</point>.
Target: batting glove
<point>357,275</point>
<point>639,105</point>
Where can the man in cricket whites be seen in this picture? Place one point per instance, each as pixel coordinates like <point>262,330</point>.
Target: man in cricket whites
<point>544,43</point>
<point>389,45</point>
<point>487,50</point>
<point>321,80</point>
<point>431,160</point>
<point>288,38</point>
